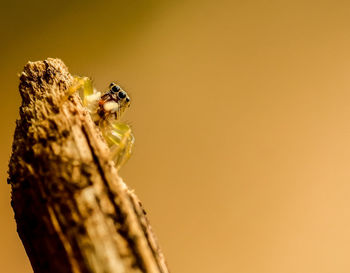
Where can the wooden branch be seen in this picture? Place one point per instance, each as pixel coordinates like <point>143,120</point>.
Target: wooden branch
<point>73,212</point>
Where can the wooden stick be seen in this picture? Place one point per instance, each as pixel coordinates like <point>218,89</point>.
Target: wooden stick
<point>73,212</point>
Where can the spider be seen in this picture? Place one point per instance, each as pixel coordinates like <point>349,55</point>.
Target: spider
<point>106,110</point>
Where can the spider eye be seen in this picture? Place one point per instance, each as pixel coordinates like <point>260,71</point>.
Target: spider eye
<point>115,88</point>
<point>121,95</point>
<point>127,99</point>
<point>111,84</point>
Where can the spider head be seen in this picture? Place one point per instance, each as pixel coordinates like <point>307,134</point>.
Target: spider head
<point>115,101</point>
<point>119,95</point>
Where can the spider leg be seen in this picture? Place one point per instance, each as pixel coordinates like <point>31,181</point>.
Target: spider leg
<point>83,85</point>
<point>120,140</point>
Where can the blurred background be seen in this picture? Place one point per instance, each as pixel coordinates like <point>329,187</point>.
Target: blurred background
<point>241,115</point>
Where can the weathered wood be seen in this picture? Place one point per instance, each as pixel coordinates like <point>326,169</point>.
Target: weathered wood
<point>73,212</point>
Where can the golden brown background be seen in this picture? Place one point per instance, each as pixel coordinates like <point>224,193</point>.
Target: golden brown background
<point>241,115</point>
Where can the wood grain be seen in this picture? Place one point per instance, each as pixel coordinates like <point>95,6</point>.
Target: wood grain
<point>73,212</point>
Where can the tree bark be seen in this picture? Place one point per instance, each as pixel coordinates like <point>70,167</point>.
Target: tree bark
<point>73,212</point>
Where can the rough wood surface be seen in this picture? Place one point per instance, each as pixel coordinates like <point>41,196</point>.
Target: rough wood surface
<point>73,211</point>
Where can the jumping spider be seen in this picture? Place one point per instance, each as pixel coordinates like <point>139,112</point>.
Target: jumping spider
<point>106,110</point>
